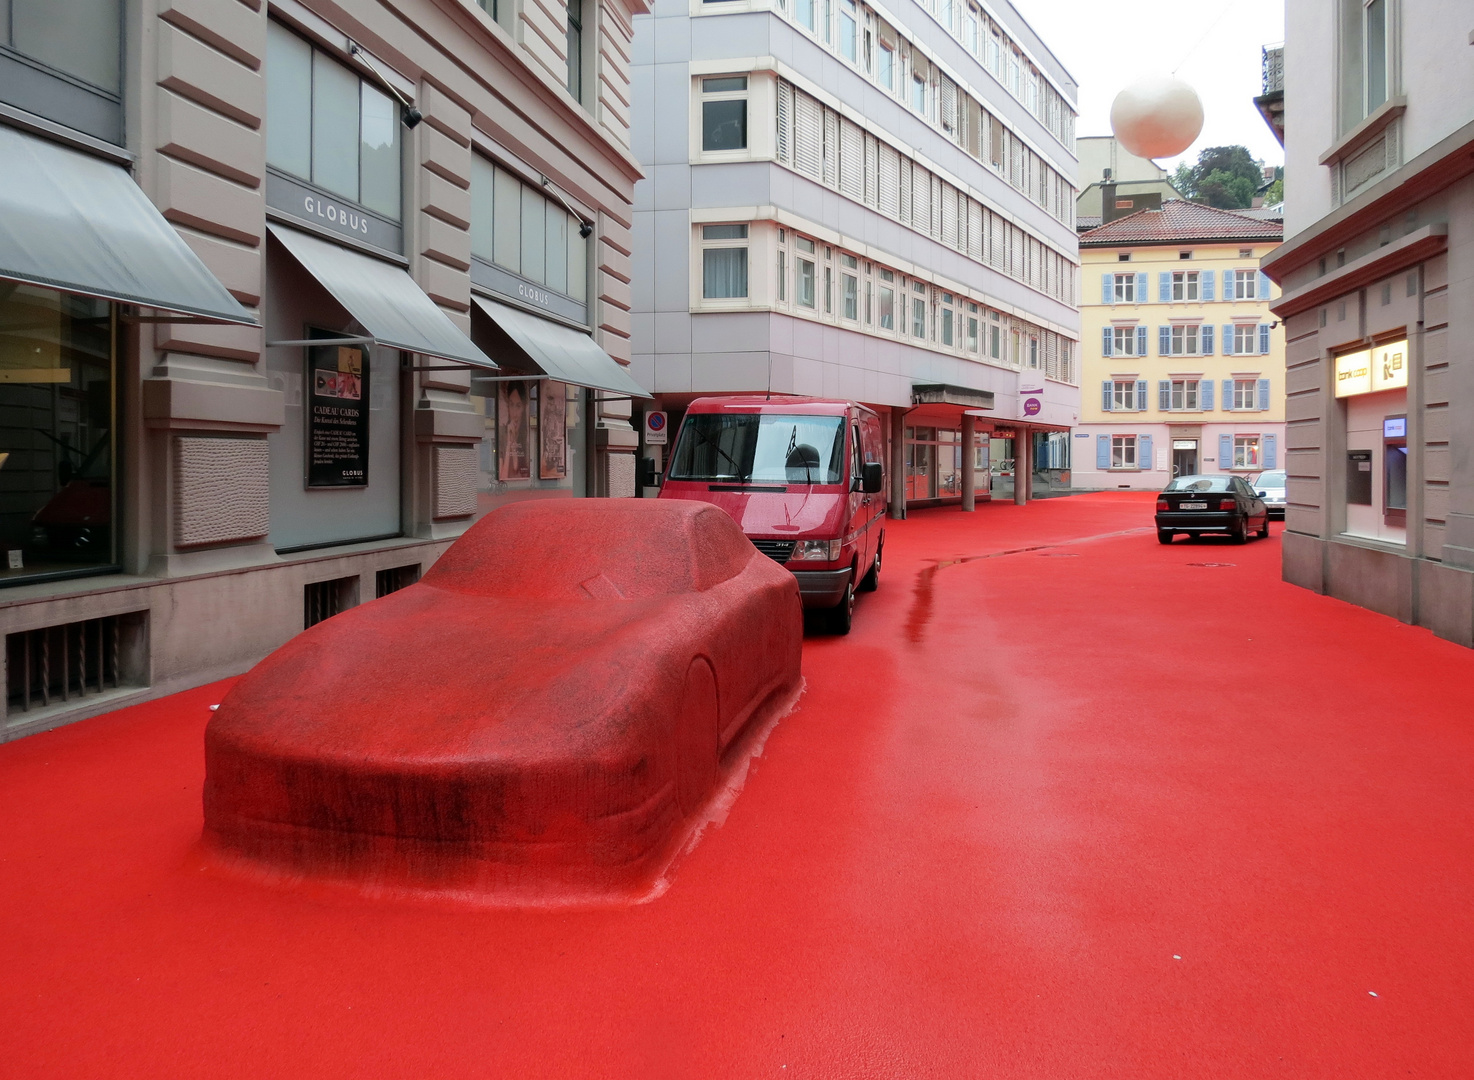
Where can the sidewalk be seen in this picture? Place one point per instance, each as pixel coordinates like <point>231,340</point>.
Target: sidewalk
<point>1065,804</point>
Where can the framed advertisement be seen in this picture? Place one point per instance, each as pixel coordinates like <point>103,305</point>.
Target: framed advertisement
<point>514,454</point>
<point>337,415</point>
<point>552,429</point>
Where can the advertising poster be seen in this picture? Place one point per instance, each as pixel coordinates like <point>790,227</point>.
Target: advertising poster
<point>337,416</point>
<point>552,428</point>
<point>514,461</point>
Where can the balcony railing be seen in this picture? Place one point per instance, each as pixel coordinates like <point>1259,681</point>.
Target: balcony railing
<point>1274,69</point>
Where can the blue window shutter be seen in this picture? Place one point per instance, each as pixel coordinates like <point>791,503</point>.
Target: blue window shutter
<point>1228,395</point>
<point>1144,453</point>
<point>1206,281</point>
<point>1225,453</point>
<point>1102,451</point>
<point>1164,288</point>
<point>1164,340</point>
<point>1263,339</point>
<point>1263,285</point>
<point>1141,395</point>
<point>1164,396</point>
<point>1105,342</point>
<point>1141,297</point>
<point>1271,452</point>
<point>1228,340</point>
<point>1263,395</point>
<point>1205,395</point>
<point>1107,289</point>
<point>1141,341</point>
<point>1228,284</point>
<point>1205,339</point>
<point>1105,395</point>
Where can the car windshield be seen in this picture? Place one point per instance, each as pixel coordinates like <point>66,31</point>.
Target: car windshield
<point>1270,480</point>
<point>760,448</point>
<point>1201,483</point>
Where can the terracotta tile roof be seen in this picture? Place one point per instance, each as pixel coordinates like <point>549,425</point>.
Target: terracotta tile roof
<point>1179,220</point>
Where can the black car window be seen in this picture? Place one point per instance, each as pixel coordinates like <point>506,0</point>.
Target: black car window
<point>1200,483</point>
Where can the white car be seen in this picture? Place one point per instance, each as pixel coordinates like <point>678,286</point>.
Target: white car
<point>1271,488</point>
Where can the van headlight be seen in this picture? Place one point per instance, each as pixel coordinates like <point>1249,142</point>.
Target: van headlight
<point>816,551</point>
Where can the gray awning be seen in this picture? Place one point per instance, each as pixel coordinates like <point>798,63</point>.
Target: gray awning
<point>945,394</point>
<point>76,223</point>
<point>559,352</point>
<point>382,298</point>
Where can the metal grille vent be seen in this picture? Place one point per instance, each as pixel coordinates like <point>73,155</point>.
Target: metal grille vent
<point>777,550</point>
<point>72,661</point>
<point>324,599</point>
<point>395,578</point>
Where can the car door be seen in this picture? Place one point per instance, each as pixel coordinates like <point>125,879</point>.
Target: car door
<point>1254,509</point>
<point>859,502</point>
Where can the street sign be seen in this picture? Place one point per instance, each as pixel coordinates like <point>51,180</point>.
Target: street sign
<point>655,429</point>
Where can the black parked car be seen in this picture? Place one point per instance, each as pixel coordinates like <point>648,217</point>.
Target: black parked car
<point>1210,504</point>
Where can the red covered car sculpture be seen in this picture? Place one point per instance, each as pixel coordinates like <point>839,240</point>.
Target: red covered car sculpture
<point>544,717</point>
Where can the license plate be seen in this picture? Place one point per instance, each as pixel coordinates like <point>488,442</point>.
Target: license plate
<point>1192,506</point>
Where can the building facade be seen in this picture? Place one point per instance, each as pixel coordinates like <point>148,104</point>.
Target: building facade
<point>290,293</point>
<point>1183,362</point>
<point>1378,279</point>
<point>850,201</point>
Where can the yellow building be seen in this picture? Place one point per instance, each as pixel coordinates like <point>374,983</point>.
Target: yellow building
<point>1182,363</point>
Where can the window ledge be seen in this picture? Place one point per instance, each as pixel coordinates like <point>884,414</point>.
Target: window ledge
<point>1365,131</point>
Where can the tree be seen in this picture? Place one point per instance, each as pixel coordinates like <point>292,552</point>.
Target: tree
<point>1225,176</point>
<point>1275,193</point>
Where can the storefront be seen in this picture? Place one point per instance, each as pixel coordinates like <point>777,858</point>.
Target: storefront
<point>1372,383</point>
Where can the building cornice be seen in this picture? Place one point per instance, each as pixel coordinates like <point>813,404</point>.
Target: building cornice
<point>1389,259</point>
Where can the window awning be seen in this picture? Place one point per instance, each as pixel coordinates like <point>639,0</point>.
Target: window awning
<point>557,351</point>
<point>944,394</point>
<point>382,298</point>
<point>76,223</point>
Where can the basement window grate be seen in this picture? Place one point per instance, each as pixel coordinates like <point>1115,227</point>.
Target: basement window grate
<point>324,599</point>
<point>395,578</point>
<point>72,661</point>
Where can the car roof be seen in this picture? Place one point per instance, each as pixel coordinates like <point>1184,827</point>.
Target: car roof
<point>776,403</point>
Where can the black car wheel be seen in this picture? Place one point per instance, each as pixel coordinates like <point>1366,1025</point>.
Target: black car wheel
<point>1240,532</point>
<point>1164,536</point>
<point>842,617</point>
<point>1264,529</point>
<point>871,581</point>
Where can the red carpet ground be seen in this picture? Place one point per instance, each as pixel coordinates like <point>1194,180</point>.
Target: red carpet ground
<point>1092,809</point>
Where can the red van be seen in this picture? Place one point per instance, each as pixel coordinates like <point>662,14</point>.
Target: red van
<point>802,477</point>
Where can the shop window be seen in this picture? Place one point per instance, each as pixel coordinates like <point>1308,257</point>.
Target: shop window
<point>328,127</point>
<point>1123,451</point>
<point>518,228</point>
<point>724,113</point>
<point>534,446</point>
<point>724,262</point>
<point>58,427</point>
<point>1246,452</point>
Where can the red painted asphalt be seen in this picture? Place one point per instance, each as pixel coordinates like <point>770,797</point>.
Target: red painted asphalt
<point>1089,809</point>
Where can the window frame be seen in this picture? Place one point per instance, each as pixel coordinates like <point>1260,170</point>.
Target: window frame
<point>1242,443</point>
<point>1187,286</point>
<point>1124,447</point>
<point>1124,396</point>
<point>721,96</point>
<point>706,242</point>
<point>1123,289</point>
<point>1184,395</point>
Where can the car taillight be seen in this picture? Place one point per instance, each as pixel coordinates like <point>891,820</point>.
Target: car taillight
<point>1162,505</point>
<point>1227,504</point>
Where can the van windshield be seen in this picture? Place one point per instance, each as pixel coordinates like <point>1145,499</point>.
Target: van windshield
<point>760,448</point>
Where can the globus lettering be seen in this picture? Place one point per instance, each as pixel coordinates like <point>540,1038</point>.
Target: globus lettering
<point>336,214</point>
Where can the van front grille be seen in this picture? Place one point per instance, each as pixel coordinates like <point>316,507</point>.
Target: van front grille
<point>777,550</point>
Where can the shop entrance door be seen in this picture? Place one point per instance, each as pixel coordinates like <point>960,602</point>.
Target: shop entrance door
<point>1184,457</point>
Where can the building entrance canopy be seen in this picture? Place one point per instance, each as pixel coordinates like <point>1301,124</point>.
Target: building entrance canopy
<point>557,351</point>
<point>75,223</point>
<point>384,299</point>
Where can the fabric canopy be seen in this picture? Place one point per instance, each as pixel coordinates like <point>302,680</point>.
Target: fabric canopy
<point>76,223</point>
<point>560,352</point>
<point>383,298</point>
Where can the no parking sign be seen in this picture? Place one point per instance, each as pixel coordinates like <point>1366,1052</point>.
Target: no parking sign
<point>655,429</point>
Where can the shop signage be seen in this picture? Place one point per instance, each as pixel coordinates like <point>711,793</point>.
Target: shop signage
<point>337,416</point>
<point>526,293</point>
<point>1184,444</point>
<point>1372,370</point>
<point>1394,428</point>
<point>1032,406</point>
<point>656,432</point>
<point>307,203</point>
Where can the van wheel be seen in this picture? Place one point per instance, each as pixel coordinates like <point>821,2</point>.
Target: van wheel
<point>871,581</point>
<point>842,615</point>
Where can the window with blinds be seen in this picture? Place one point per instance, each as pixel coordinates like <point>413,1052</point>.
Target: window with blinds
<point>852,160</point>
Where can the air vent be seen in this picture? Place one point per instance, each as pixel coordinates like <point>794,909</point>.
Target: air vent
<point>777,550</point>
<point>57,665</point>
<point>324,599</point>
<point>395,578</point>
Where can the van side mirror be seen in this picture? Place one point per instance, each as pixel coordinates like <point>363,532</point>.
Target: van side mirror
<point>649,477</point>
<point>872,480</point>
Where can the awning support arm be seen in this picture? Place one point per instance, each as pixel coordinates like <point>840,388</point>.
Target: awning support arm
<point>322,341</point>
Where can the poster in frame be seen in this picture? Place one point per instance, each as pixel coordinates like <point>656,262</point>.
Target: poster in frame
<point>552,431</point>
<point>514,459</point>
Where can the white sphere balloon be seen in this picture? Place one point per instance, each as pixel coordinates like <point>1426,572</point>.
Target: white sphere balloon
<point>1157,117</point>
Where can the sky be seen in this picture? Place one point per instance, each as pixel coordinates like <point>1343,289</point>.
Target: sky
<point>1214,47</point>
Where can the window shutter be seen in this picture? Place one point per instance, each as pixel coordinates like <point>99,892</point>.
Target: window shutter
<point>1225,452</point>
<point>1164,396</point>
<point>1164,340</point>
<point>1141,385</point>
<point>1107,290</point>
<point>1263,339</point>
<point>1205,286</point>
<point>785,122</point>
<point>890,181</point>
<point>1228,395</point>
<point>1263,395</point>
<point>1271,452</point>
<point>1141,341</point>
<point>872,171</point>
<point>1263,285</point>
<point>921,182</point>
<point>808,136</point>
<point>1228,284</point>
<point>949,105</point>
<point>1164,288</point>
<point>1105,342</point>
<point>1141,289</point>
<point>949,216</point>
<point>1205,338</point>
<point>1102,451</point>
<point>831,148</point>
<point>1205,395</point>
<point>1228,339</point>
<point>975,245</point>
<point>903,190</point>
<point>1144,460</point>
<point>851,160</point>
<point>1105,395</point>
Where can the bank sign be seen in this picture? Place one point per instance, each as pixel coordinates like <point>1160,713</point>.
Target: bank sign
<point>1371,371</point>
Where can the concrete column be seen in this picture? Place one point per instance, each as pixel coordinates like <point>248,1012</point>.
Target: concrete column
<point>1023,467</point>
<point>969,478</point>
<point>898,465</point>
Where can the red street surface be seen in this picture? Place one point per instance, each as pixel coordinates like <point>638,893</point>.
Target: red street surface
<point>1065,804</point>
